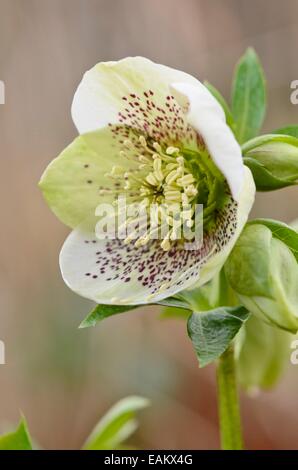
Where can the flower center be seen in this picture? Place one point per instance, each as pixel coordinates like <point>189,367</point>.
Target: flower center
<point>168,183</point>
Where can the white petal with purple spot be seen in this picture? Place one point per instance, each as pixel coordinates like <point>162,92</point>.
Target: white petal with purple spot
<point>136,92</point>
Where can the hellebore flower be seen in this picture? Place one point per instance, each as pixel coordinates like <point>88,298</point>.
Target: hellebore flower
<point>157,136</point>
<point>263,271</point>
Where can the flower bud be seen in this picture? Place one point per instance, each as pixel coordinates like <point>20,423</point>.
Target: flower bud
<point>273,160</point>
<point>263,271</point>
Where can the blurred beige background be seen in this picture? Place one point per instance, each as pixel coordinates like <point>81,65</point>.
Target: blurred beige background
<point>64,379</point>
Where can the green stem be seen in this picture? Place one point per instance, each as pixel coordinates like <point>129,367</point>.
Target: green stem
<point>228,403</point>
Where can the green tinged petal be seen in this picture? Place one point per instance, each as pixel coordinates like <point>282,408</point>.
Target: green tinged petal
<point>71,183</point>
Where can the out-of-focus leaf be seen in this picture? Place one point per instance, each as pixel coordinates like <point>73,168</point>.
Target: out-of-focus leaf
<point>248,96</point>
<point>211,332</point>
<point>117,425</point>
<point>17,440</point>
<point>262,353</point>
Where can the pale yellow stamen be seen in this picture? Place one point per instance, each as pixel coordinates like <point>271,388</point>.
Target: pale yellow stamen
<point>185,200</point>
<point>165,244</point>
<point>189,223</point>
<point>173,176</point>
<point>185,180</point>
<point>157,164</point>
<point>144,159</point>
<point>173,196</point>
<point>172,150</point>
<point>157,147</point>
<point>165,181</point>
<point>142,241</point>
<point>142,141</point>
<point>171,166</point>
<point>151,179</point>
<point>191,190</point>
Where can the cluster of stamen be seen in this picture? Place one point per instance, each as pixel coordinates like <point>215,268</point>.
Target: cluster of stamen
<point>162,179</point>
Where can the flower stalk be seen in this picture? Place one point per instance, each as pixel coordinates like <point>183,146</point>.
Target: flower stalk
<point>228,403</point>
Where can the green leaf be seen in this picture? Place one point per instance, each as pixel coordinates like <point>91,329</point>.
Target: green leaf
<point>289,130</point>
<point>262,353</point>
<point>117,425</point>
<point>211,332</point>
<point>248,96</point>
<point>218,96</point>
<point>100,312</point>
<point>104,311</point>
<point>282,232</point>
<point>17,440</point>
